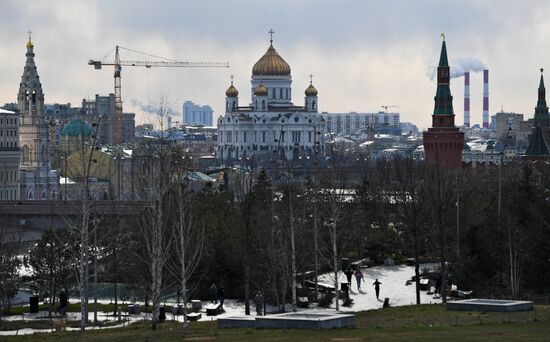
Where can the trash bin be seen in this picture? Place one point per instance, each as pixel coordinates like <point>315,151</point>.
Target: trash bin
<point>344,290</point>
<point>33,304</point>
<point>162,314</point>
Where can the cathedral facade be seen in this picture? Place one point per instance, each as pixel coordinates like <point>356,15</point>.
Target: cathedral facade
<point>37,180</point>
<point>270,126</point>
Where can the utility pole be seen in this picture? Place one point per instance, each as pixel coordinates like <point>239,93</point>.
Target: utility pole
<point>457,219</point>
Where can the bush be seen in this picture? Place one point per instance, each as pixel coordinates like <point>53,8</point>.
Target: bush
<point>60,325</point>
<point>326,300</point>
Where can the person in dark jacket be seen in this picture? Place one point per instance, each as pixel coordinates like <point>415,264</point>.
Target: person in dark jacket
<point>213,292</point>
<point>377,287</point>
<point>349,273</point>
<point>259,300</point>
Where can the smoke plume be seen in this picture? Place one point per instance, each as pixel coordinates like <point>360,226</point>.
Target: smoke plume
<point>458,67</point>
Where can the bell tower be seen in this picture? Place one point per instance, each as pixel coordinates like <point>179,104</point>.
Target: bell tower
<point>38,181</point>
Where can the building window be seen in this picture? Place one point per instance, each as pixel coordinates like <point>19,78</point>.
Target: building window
<point>244,136</point>
<point>263,136</point>
<point>296,136</point>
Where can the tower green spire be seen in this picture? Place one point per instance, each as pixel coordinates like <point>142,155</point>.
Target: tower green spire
<point>443,98</point>
<point>541,110</point>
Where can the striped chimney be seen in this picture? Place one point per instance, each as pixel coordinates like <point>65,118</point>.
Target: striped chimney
<point>485,98</point>
<point>466,99</point>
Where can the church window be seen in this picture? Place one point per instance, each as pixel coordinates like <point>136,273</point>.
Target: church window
<point>286,93</point>
<point>26,154</point>
<point>282,136</point>
<point>263,105</point>
<point>263,136</point>
<point>296,119</point>
<point>281,93</point>
<point>30,195</point>
<point>309,135</point>
<point>234,106</point>
<point>244,136</point>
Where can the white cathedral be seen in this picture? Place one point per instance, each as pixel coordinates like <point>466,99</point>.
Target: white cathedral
<point>271,126</point>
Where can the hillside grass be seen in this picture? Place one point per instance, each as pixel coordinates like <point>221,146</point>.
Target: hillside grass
<point>410,323</point>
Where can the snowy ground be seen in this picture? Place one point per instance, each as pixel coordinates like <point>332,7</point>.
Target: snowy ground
<point>393,279</point>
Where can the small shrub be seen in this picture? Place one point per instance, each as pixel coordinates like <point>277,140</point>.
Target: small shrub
<point>326,300</point>
<point>60,325</point>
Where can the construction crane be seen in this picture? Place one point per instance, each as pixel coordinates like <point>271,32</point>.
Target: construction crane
<point>161,62</point>
<point>389,106</point>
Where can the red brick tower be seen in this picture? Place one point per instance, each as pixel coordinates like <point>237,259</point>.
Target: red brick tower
<point>443,142</point>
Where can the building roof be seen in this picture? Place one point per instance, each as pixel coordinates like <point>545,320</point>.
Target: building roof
<point>537,144</point>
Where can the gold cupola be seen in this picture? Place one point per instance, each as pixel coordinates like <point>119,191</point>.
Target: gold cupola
<point>260,90</point>
<point>271,64</point>
<point>231,91</point>
<point>311,91</point>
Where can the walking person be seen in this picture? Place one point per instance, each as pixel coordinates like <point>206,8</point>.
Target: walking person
<point>213,292</point>
<point>349,273</point>
<point>359,278</point>
<point>377,288</point>
<point>259,300</point>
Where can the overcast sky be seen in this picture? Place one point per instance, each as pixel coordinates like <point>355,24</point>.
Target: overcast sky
<point>363,54</point>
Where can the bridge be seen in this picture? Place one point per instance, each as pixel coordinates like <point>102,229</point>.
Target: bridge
<point>33,217</point>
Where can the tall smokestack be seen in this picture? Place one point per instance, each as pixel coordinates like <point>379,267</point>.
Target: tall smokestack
<point>466,99</point>
<point>485,98</point>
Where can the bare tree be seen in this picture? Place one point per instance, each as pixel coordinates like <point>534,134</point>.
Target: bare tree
<point>10,245</point>
<point>188,238</point>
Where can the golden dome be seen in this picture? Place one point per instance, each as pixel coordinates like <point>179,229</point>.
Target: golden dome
<point>29,44</point>
<point>261,90</point>
<point>231,91</point>
<point>311,91</point>
<point>271,64</point>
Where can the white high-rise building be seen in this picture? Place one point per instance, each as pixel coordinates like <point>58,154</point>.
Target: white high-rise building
<point>195,115</point>
<point>271,125</point>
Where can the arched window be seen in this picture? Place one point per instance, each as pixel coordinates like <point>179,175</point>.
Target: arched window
<point>234,106</point>
<point>313,104</point>
<point>30,194</point>
<point>263,105</point>
<point>26,154</point>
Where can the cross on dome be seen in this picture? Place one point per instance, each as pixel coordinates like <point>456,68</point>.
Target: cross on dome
<point>541,70</point>
<point>29,43</point>
<point>271,35</point>
<point>310,78</point>
<point>231,79</point>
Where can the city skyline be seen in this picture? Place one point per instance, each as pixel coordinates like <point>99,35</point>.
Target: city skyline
<point>377,54</point>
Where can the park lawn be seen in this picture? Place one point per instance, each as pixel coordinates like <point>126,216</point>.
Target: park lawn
<point>412,323</point>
